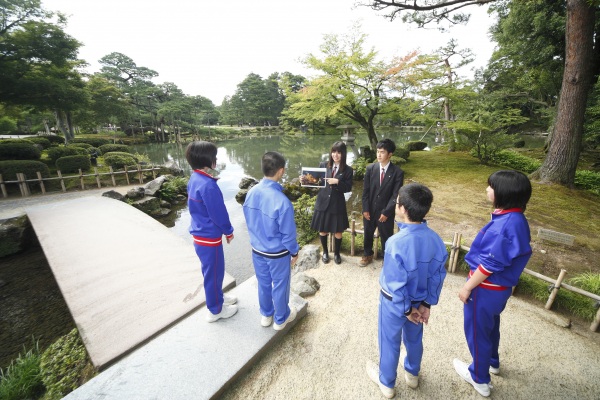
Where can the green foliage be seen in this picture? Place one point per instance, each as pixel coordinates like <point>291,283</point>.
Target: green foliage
<point>9,169</point>
<point>118,159</point>
<point>43,141</point>
<point>173,187</point>
<point>82,145</point>
<point>519,144</point>
<point>415,146</point>
<point>69,164</point>
<point>515,160</point>
<point>360,167</point>
<point>7,125</point>
<point>401,152</point>
<point>109,148</point>
<point>587,281</point>
<point>63,365</point>
<point>96,142</point>
<point>588,180</point>
<point>575,303</point>
<point>303,211</point>
<point>22,378</point>
<point>55,139</point>
<point>54,153</point>
<point>19,151</point>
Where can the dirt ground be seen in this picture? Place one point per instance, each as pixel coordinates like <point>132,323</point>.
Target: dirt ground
<point>324,356</point>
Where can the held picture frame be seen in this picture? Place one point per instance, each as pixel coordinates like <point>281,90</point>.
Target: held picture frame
<point>313,177</point>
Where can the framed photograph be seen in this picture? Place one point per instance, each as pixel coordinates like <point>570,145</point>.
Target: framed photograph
<point>313,177</point>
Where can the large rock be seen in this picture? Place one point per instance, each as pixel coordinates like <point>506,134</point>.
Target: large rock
<point>135,193</point>
<point>15,235</point>
<point>113,194</point>
<point>152,187</point>
<point>307,259</point>
<point>247,183</point>
<point>149,205</point>
<point>304,285</point>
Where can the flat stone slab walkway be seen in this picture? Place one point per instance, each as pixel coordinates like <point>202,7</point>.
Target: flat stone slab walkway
<point>124,275</point>
<point>193,359</point>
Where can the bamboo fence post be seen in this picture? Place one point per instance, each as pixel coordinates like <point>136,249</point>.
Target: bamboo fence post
<point>596,322</point>
<point>457,252</point>
<point>39,175</point>
<point>140,176</point>
<point>376,246</point>
<point>452,251</point>
<point>81,179</point>
<point>127,175</point>
<point>112,175</point>
<point>555,288</point>
<point>23,184</point>
<point>153,173</point>
<point>62,182</point>
<point>97,177</point>
<point>352,236</point>
<point>3,186</point>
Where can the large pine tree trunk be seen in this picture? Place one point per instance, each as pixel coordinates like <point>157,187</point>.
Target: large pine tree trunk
<point>565,146</point>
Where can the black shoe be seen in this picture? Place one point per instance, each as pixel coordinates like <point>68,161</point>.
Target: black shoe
<point>325,258</point>
<point>337,258</point>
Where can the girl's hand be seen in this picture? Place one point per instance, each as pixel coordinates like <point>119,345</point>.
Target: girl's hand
<point>332,181</point>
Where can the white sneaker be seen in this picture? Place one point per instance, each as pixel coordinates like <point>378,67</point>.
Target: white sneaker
<point>289,319</point>
<point>229,300</point>
<point>226,312</point>
<point>373,373</point>
<point>412,381</point>
<point>266,321</point>
<point>495,371</point>
<point>462,369</point>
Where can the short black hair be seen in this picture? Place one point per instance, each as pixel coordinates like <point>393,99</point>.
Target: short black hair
<point>416,199</point>
<point>340,147</point>
<point>201,154</point>
<point>512,189</point>
<point>272,162</point>
<point>387,144</point>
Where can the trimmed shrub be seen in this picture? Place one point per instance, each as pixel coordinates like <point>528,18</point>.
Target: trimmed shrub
<point>9,169</point>
<point>70,164</point>
<point>19,151</point>
<point>82,145</point>
<point>401,152</point>
<point>515,160</point>
<point>96,142</point>
<point>110,148</point>
<point>588,180</point>
<point>55,139</point>
<point>118,159</point>
<point>63,365</point>
<point>415,146</point>
<point>45,143</point>
<point>55,153</point>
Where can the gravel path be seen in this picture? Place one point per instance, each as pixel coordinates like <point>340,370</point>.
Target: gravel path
<point>324,356</point>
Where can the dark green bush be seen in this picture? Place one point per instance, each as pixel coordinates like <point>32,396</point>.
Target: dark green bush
<point>173,187</point>
<point>55,139</point>
<point>69,164</point>
<point>9,169</point>
<point>303,211</point>
<point>588,180</point>
<point>519,144</point>
<point>63,365</point>
<point>118,159</point>
<point>512,159</point>
<point>401,152</point>
<point>110,148</point>
<point>40,140</point>
<point>415,146</point>
<point>96,142</point>
<point>55,153</point>
<point>19,151</point>
<point>82,145</point>
<point>360,167</point>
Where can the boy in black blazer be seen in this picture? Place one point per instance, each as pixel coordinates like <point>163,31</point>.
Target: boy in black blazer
<point>382,182</point>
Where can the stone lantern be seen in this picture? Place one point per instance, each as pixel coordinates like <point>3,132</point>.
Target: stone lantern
<point>348,137</point>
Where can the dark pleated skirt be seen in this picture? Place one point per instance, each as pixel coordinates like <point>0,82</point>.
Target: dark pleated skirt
<point>323,221</point>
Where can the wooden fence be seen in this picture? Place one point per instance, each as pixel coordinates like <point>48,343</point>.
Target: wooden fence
<point>455,248</point>
<point>23,182</point>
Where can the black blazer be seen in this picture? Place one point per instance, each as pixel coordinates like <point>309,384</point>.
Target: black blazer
<point>378,198</point>
<point>332,196</point>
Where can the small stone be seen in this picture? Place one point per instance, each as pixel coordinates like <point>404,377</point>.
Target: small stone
<point>543,251</point>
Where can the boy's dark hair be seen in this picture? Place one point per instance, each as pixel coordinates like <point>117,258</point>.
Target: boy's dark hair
<point>416,199</point>
<point>201,154</point>
<point>272,162</point>
<point>340,147</point>
<point>387,144</point>
<point>512,189</point>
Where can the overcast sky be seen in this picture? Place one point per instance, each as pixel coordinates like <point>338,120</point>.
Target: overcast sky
<point>208,47</point>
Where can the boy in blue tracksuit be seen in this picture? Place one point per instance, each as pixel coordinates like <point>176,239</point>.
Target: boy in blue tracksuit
<point>411,281</point>
<point>210,221</point>
<point>497,257</point>
<point>270,219</point>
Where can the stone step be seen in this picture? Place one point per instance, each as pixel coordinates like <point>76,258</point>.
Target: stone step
<point>193,359</point>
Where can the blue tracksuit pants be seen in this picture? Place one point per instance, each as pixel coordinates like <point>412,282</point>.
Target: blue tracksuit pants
<point>213,270</point>
<point>482,330</point>
<point>393,326</point>
<point>273,275</point>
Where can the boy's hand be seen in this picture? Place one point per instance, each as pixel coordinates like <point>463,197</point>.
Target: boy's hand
<point>464,294</point>
<point>229,239</point>
<point>414,316</point>
<point>425,312</point>
<point>294,259</point>
<point>367,215</point>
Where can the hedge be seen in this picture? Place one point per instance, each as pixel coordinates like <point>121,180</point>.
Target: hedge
<point>96,142</point>
<point>416,146</point>
<point>118,159</point>
<point>70,164</point>
<point>82,145</point>
<point>9,169</point>
<point>55,153</point>
<point>19,151</point>
<point>110,148</point>
<point>40,140</point>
